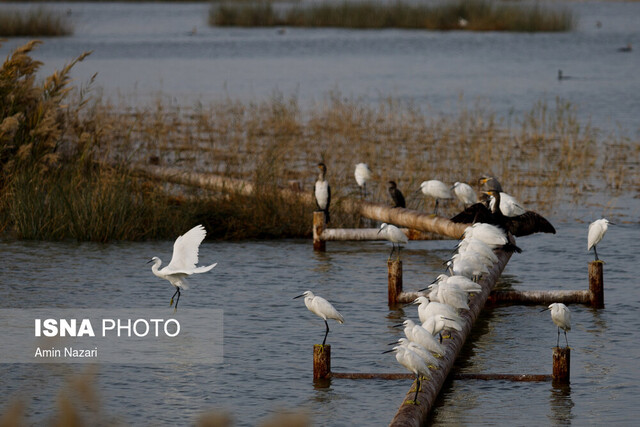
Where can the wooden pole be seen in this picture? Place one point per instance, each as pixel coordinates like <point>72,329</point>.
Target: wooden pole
<point>561,365</point>
<point>539,297</point>
<point>318,227</point>
<point>416,415</point>
<point>596,284</point>
<point>394,268</point>
<point>372,234</point>
<point>321,361</point>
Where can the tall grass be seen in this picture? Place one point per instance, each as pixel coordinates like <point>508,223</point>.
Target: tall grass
<point>38,22</point>
<point>475,15</point>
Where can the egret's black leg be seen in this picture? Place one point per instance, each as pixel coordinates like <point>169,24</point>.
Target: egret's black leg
<point>558,342</point>
<point>440,333</point>
<point>435,212</point>
<point>565,338</point>
<point>174,295</point>
<point>415,398</point>
<point>326,333</point>
<point>596,252</point>
<point>177,300</point>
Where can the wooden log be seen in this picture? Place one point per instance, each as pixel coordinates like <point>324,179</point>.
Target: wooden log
<point>321,361</point>
<point>407,297</point>
<point>361,234</point>
<point>394,269</point>
<point>561,365</point>
<point>318,228</point>
<point>416,415</point>
<point>412,219</point>
<point>372,376</point>
<point>539,297</point>
<point>596,283</point>
<point>504,377</point>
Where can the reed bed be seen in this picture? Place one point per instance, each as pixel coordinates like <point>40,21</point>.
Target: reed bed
<point>473,15</point>
<point>38,22</point>
<point>67,160</point>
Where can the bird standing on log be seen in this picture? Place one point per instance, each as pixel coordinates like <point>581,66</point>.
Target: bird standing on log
<point>414,363</point>
<point>323,192</point>
<point>464,193</point>
<point>394,235</point>
<point>396,195</point>
<point>561,316</point>
<point>321,308</point>
<point>597,229</point>
<point>362,175</point>
<point>436,189</point>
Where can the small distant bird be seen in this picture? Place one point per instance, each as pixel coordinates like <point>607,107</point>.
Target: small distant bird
<point>362,175</point>
<point>597,229</point>
<point>436,189</point>
<point>465,193</point>
<point>394,235</point>
<point>412,362</point>
<point>562,76</point>
<point>396,195</point>
<point>183,262</point>
<point>323,192</point>
<point>462,23</point>
<point>626,48</point>
<point>321,308</point>
<point>561,316</point>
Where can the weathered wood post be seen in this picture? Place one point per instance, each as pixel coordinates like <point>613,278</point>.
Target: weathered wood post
<point>394,267</point>
<point>318,227</point>
<point>596,284</point>
<point>561,365</point>
<point>321,361</point>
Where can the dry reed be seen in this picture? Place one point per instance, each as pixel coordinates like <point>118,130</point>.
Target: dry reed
<point>38,22</point>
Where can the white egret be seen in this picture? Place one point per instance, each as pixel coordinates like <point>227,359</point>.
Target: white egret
<point>396,195</point>
<point>469,266</point>
<point>419,350</point>
<point>460,282</point>
<point>362,175</point>
<point>419,335</point>
<point>394,235</point>
<point>428,308</point>
<point>321,308</point>
<point>450,295</point>
<point>508,204</point>
<point>412,362</point>
<point>477,247</point>
<point>183,262</point>
<point>437,323</point>
<point>597,229</point>
<point>465,193</point>
<point>436,189</point>
<point>491,235</point>
<point>561,316</point>
<point>323,192</point>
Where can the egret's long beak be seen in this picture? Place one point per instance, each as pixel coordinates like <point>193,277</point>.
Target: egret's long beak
<point>399,325</point>
<point>150,261</point>
<point>446,318</point>
<point>422,290</point>
<point>394,343</point>
<point>299,296</point>
<point>388,351</point>
<point>544,309</point>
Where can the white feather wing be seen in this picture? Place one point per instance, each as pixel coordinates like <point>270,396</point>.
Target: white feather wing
<point>185,250</point>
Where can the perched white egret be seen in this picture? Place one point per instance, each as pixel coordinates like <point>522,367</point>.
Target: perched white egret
<point>561,316</point>
<point>323,192</point>
<point>183,262</point>
<point>362,175</point>
<point>396,195</point>
<point>321,308</point>
<point>394,235</point>
<point>469,266</point>
<point>435,324</point>
<point>412,362</point>
<point>436,189</point>
<point>465,193</point>
<point>491,235</point>
<point>419,350</point>
<point>428,308</point>
<point>419,335</point>
<point>508,204</point>
<point>450,295</point>
<point>477,247</point>
<point>596,233</point>
<point>456,281</point>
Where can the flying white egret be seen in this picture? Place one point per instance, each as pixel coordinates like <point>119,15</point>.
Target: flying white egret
<point>321,308</point>
<point>412,362</point>
<point>436,189</point>
<point>394,235</point>
<point>419,350</point>
<point>427,309</point>
<point>396,195</point>
<point>561,316</point>
<point>596,233</point>
<point>362,175</point>
<point>419,335</point>
<point>183,262</point>
<point>465,193</point>
<point>323,192</point>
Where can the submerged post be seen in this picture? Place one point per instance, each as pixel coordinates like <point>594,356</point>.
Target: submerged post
<point>321,361</point>
<point>318,227</point>
<point>561,365</point>
<point>596,284</point>
<point>394,267</point>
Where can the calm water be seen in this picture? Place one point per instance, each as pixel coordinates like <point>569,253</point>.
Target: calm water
<point>268,336</point>
<point>140,50</point>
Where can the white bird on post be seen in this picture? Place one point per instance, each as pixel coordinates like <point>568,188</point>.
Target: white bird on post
<point>321,308</point>
<point>394,235</point>
<point>597,229</point>
<point>323,192</point>
<point>561,316</point>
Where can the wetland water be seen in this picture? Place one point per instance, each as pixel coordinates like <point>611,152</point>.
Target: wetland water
<point>268,336</point>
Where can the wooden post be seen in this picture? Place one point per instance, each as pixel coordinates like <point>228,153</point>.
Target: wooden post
<point>318,228</point>
<point>596,284</point>
<point>394,267</point>
<point>561,365</point>
<point>321,361</point>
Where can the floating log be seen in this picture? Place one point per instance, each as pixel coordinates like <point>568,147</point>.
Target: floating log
<point>394,269</point>
<point>504,377</point>
<point>321,361</point>
<point>371,376</point>
<point>539,297</point>
<point>372,234</point>
<point>318,228</point>
<point>412,219</point>
<point>416,415</point>
<point>596,283</point>
<point>561,365</point>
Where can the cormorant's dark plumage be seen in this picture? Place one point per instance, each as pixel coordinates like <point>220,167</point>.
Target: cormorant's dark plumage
<point>396,195</point>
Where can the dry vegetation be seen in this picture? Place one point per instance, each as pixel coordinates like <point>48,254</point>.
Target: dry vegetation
<point>67,160</point>
<point>38,22</point>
